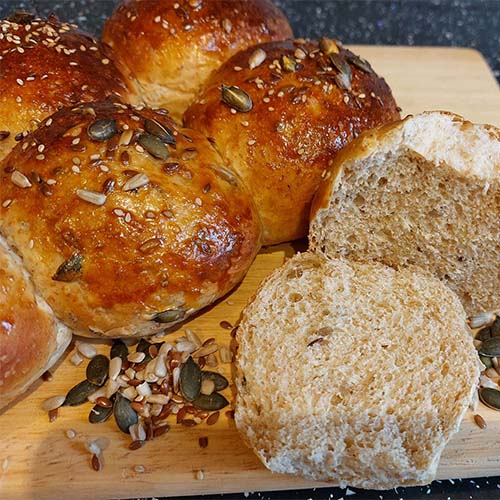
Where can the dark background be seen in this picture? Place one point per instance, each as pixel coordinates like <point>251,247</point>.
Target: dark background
<point>465,23</point>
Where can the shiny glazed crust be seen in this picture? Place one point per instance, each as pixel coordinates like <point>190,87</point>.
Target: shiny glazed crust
<point>46,64</point>
<point>300,119</point>
<point>31,339</point>
<point>178,241</point>
<point>168,48</point>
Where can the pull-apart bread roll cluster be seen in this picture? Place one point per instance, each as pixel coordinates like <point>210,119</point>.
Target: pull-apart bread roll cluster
<point>46,64</point>
<point>126,223</point>
<point>279,113</point>
<point>168,48</point>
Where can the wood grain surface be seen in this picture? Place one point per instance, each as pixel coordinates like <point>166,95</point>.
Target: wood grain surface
<point>38,461</point>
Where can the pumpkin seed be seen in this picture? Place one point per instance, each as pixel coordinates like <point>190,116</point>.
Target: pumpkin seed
<point>344,76</point>
<point>119,349</point>
<point>328,46</point>
<point>219,380</point>
<point>359,63</point>
<point>78,394</point>
<point>143,346</point>
<point>190,379</point>
<point>70,269</point>
<point>236,98</point>
<point>125,416</point>
<point>100,414</point>
<point>213,402</point>
<point>289,64</point>
<point>97,370</point>
<point>160,131</point>
<point>102,130</point>
<point>490,397</point>
<point>490,347</point>
<point>483,334</point>
<point>169,316</point>
<point>486,361</point>
<point>495,328</point>
<point>154,146</point>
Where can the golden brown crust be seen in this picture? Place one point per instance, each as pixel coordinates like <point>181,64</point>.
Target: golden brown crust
<point>46,64</point>
<point>178,242</point>
<point>300,119</point>
<point>29,334</point>
<point>169,47</point>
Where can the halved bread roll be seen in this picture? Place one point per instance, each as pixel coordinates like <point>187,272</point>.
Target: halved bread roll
<point>423,191</point>
<point>355,373</point>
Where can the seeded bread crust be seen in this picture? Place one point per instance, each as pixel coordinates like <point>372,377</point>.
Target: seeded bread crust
<point>31,338</point>
<point>176,242</point>
<point>420,191</point>
<point>353,373</point>
<point>45,65</point>
<point>168,48</point>
<point>299,121</point>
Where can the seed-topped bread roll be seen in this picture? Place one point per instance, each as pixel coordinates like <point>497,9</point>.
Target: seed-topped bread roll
<point>353,373</point>
<point>423,191</point>
<point>31,339</point>
<point>280,112</point>
<point>46,64</point>
<point>127,224</point>
<point>168,48</point>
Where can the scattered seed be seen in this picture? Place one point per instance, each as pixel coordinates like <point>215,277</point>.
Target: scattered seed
<point>205,350</point>
<point>87,350</point>
<point>139,469</point>
<point>96,463</point>
<point>490,397</point>
<point>70,434</point>
<point>207,386</point>
<point>220,382</point>
<point>200,475</point>
<point>53,414</point>
<point>76,359</point>
<point>115,366</point>
<point>78,394</point>
<point>104,402</point>
<point>480,422</point>
<point>214,401</point>
<point>125,416</point>
<point>119,349</point>
<point>102,130</point>
<point>490,347</point>
<point>213,418</point>
<point>97,370</point>
<point>236,98</point>
<point>53,403</point>
<point>135,445</point>
<point>99,413</point>
<point>136,357</point>
<point>226,325</point>
<point>190,379</point>
<point>225,354</point>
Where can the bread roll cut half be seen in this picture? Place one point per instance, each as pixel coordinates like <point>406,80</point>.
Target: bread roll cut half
<point>31,338</point>
<point>424,191</point>
<point>351,372</point>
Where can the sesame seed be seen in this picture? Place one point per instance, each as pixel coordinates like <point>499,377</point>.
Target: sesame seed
<point>245,123</point>
<point>75,141</point>
<point>233,111</point>
<point>75,169</point>
<point>139,148</point>
<point>48,123</point>
<point>198,201</point>
<point>237,68</point>
<point>139,469</point>
<point>19,81</point>
<point>128,217</point>
<point>157,19</point>
<point>104,168</point>
<point>40,157</point>
<point>118,212</point>
<point>31,244</point>
<point>251,142</point>
<point>51,182</point>
<point>73,63</point>
<point>40,148</point>
<point>105,61</point>
<point>362,96</point>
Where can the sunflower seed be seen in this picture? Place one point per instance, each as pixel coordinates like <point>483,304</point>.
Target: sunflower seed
<point>78,394</point>
<point>70,269</point>
<point>360,63</point>
<point>190,379</point>
<point>20,180</point>
<point>135,182</point>
<point>125,416</point>
<point>236,98</point>
<point>226,174</point>
<point>119,349</point>
<point>192,337</point>
<point>115,367</point>
<point>213,402</point>
<point>136,357</point>
<point>169,316</point>
<point>490,397</point>
<point>207,386</point>
<point>93,197</point>
<point>100,414</point>
<point>328,46</point>
<point>490,347</point>
<point>482,319</point>
<point>160,131</point>
<point>219,380</point>
<point>87,350</point>
<point>97,370</point>
<point>160,399</point>
<point>154,146</point>
<point>102,130</point>
<point>225,354</point>
<point>53,403</point>
<point>205,350</point>
<point>257,58</point>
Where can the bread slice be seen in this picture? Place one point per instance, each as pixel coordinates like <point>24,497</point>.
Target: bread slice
<point>423,191</point>
<point>351,372</point>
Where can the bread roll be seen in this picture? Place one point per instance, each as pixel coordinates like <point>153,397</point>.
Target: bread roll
<point>46,64</point>
<point>31,339</point>
<point>424,191</point>
<point>305,106</point>
<point>168,48</point>
<point>353,373</point>
<point>126,224</point>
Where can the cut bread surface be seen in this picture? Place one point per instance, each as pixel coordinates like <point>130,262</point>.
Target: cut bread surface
<point>355,373</point>
<point>423,191</point>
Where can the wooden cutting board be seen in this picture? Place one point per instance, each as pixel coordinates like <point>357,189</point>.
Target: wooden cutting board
<point>41,462</point>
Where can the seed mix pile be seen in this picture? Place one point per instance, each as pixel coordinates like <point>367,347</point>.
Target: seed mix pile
<point>142,388</point>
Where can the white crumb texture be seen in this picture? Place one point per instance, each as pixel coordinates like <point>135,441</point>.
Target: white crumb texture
<point>353,373</point>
